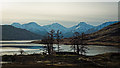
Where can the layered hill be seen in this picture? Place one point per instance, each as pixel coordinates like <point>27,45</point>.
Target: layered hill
<point>11,33</point>
<point>109,35</point>
<point>99,27</point>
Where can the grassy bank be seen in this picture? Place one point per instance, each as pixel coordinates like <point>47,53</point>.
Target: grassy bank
<point>104,43</point>
<point>108,60</point>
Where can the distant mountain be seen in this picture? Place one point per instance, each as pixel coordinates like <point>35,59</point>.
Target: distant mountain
<point>11,33</point>
<point>17,25</point>
<point>109,34</point>
<point>32,27</point>
<point>67,32</point>
<point>55,26</point>
<point>92,30</point>
<point>81,27</point>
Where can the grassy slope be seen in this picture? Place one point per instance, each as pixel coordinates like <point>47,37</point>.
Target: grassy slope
<point>109,35</point>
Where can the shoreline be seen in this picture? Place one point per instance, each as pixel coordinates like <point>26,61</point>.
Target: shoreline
<point>64,43</point>
<point>88,43</point>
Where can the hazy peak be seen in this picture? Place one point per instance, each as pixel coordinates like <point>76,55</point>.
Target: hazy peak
<point>16,23</point>
<point>56,23</point>
<point>81,23</point>
<point>32,23</point>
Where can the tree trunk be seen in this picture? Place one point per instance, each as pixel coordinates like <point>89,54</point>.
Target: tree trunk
<point>78,49</point>
<point>58,47</point>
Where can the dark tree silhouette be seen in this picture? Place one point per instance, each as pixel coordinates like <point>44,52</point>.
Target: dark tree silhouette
<point>49,41</point>
<point>79,44</point>
<point>83,48</point>
<point>58,36</point>
<point>21,51</point>
<point>75,41</point>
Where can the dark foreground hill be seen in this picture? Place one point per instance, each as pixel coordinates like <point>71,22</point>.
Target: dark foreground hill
<point>109,35</point>
<point>11,33</point>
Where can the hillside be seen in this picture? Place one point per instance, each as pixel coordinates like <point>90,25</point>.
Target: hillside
<point>11,33</point>
<point>99,27</point>
<point>109,35</point>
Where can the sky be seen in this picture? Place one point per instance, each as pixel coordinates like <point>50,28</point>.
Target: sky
<point>65,13</point>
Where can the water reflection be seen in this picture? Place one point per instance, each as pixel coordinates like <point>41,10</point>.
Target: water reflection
<point>11,49</point>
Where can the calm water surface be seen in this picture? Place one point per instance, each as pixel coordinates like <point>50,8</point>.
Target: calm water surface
<point>14,47</point>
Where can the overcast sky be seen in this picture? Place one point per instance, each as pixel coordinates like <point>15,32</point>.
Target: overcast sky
<point>65,13</point>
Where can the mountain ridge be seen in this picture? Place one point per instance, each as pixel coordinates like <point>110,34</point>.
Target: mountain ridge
<point>67,32</point>
<point>32,27</point>
<point>55,26</point>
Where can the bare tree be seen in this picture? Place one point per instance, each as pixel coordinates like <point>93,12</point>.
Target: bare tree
<point>83,48</point>
<point>78,43</point>
<point>75,41</point>
<point>59,36</point>
<point>49,40</point>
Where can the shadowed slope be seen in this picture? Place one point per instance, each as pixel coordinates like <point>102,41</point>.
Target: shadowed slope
<point>12,33</point>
